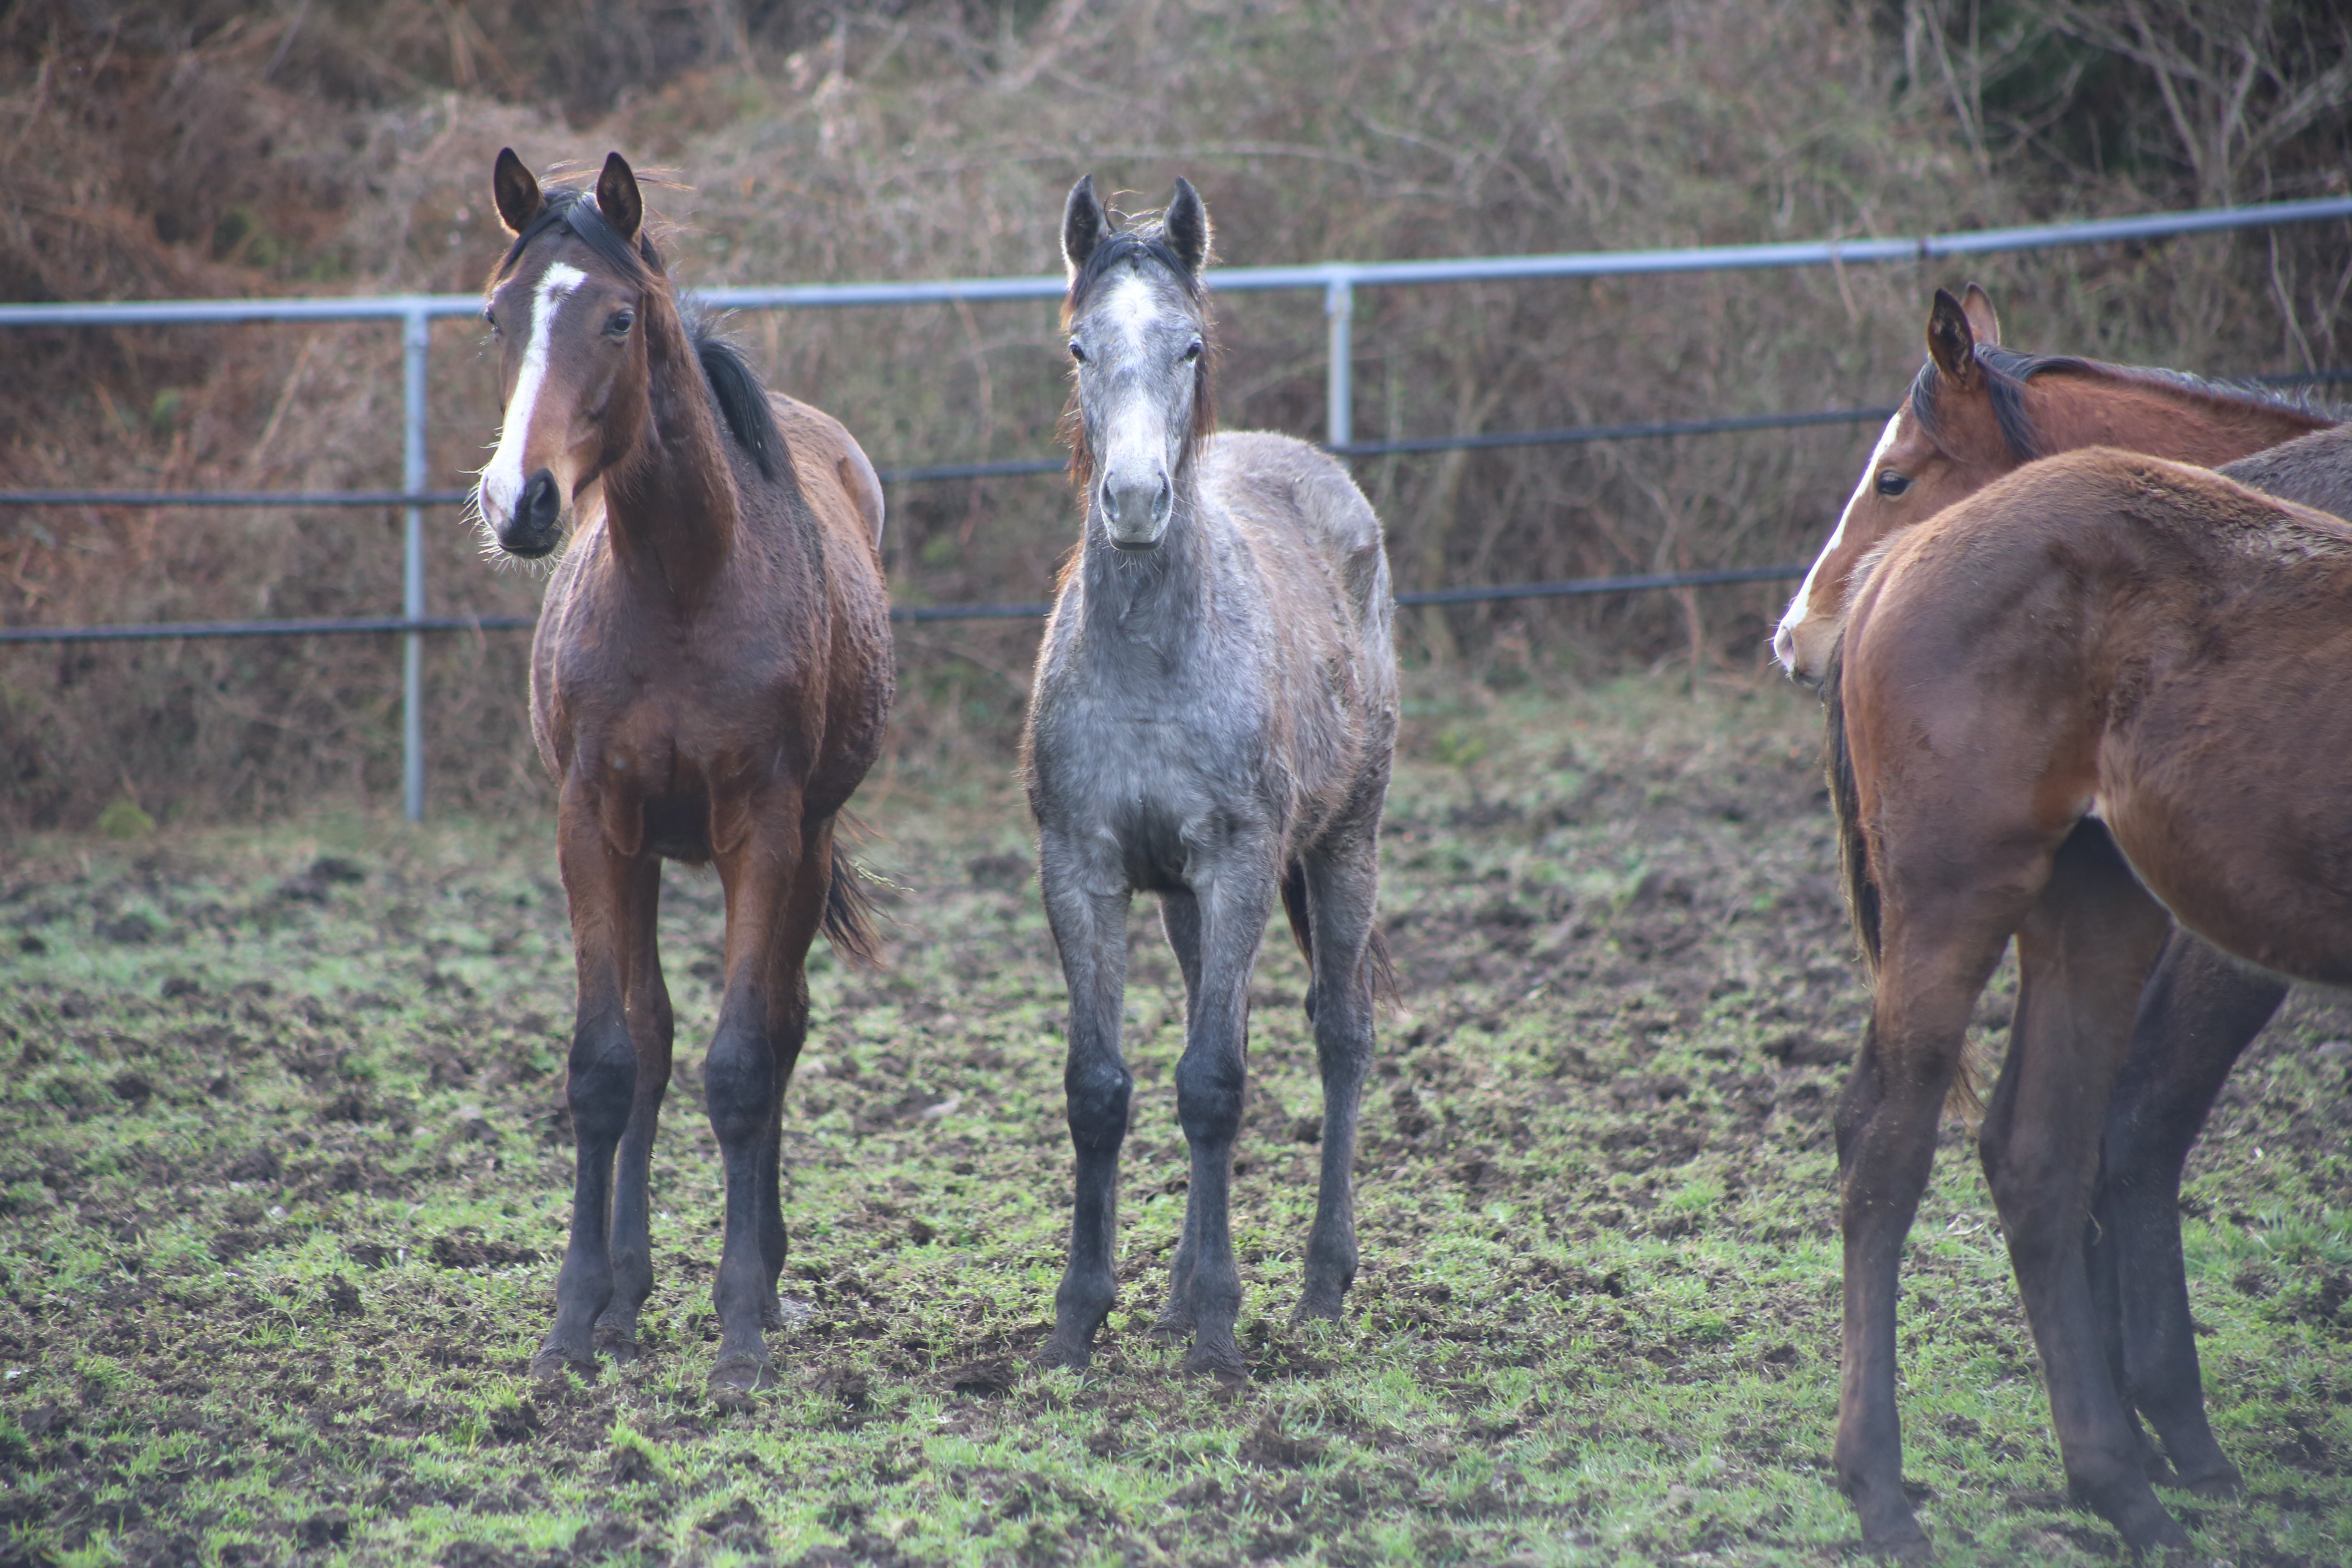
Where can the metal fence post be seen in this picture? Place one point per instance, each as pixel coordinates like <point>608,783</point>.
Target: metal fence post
<point>415,336</point>
<point>1339,391</point>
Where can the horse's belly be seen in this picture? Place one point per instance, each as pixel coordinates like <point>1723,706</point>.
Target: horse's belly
<point>2260,874</point>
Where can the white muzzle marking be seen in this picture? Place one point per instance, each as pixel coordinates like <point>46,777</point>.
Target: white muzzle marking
<point>1784,639</point>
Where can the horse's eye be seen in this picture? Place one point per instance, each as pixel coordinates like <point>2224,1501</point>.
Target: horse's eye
<point>492,318</point>
<point>1076,352</point>
<point>620,323</point>
<point>1192,351</point>
<point>1891,483</point>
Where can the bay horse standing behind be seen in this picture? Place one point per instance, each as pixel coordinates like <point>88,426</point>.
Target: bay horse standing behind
<point>2101,640</point>
<point>710,679</point>
<point>1213,720</point>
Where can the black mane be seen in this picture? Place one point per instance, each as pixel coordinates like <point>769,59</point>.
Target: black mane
<point>2007,372</point>
<point>736,388</point>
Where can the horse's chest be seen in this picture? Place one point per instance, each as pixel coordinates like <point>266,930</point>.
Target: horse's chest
<point>1158,793</point>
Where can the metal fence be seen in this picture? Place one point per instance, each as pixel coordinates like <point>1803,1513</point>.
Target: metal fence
<point>1337,281</point>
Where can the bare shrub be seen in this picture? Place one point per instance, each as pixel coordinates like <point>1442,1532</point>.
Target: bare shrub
<point>163,150</point>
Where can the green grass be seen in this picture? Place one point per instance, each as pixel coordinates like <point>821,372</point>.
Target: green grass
<point>283,1178</point>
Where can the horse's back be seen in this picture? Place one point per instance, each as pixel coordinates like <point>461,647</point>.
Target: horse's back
<point>836,478</point>
<point>2314,470</point>
<point>1283,490</point>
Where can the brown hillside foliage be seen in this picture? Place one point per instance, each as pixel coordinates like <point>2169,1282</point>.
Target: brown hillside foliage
<point>344,147</point>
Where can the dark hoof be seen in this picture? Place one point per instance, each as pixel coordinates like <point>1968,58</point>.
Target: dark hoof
<point>2225,1482</point>
<point>1315,1305</point>
<point>1174,1328</point>
<point>1223,1363</point>
<point>1898,1540</point>
<point>553,1363</point>
<point>741,1376</point>
<point>1059,1351</point>
<point>616,1342</point>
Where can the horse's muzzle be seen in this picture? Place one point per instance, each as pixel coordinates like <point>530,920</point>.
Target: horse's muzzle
<point>1135,515</point>
<point>538,519</point>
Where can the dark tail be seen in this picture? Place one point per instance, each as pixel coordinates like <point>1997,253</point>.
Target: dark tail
<point>1854,852</point>
<point>849,913</point>
<point>1376,952</point>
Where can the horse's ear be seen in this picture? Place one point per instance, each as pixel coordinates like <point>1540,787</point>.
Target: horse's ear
<point>1977,305</point>
<point>1083,224</point>
<point>1188,226</point>
<point>617,197</point>
<point>1951,341</point>
<point>514,191</point>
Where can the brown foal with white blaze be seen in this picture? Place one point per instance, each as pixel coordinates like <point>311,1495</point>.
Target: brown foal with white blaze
<point>710,679</point>
<point>1978,411</point>
<point>2100,639</point>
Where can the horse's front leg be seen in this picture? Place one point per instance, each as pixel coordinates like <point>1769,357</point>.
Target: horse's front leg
<point>2197,1014</point>
<point>1342,887</point>
<point>612,925</point>
<point>1234,896</point>
<point>1180,917</point>
<point>650,1031</point>
<point>776,877</point>
<point>2084,951</point>
<point>1929,977</point>
<point>1087,900</point>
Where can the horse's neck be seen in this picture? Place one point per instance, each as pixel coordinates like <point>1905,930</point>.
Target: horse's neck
<point>2165,418</point>
<point>1152,597</point>
<point>671,502</point>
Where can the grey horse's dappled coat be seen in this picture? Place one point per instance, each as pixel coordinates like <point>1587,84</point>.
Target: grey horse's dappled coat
<point>1211,721</point>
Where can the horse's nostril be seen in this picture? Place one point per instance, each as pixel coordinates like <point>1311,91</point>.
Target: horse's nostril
<point>540,503</point>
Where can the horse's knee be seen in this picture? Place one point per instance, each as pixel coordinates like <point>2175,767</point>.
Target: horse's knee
<point>738,1082</point>
<point>1097,1106</point>
<point>601,1083</point>
<point>1209,1099</point>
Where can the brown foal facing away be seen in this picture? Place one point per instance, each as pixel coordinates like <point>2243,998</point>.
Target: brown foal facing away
<point>2104,638</point>
<point>1976,412</point>
<point>708,684</point>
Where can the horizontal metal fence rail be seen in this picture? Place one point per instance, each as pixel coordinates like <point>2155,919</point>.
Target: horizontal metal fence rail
<point>1337,280</point>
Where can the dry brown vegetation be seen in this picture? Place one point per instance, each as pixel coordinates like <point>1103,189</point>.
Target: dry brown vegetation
<point>163,149</point>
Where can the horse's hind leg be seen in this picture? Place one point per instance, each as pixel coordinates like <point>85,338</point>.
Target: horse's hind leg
<point>2197,1016</point>
<point>2084,948</point>
<point>1086,902</point>
<point>776,876</point>
<point>1343,886</point>
<point>650,1031</point>
<point>1934,962</point>
<point>611,921</point>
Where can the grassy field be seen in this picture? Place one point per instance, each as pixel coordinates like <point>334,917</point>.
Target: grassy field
<point>283,1175</point>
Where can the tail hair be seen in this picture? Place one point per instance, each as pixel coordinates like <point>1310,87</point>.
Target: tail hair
<point>1376,951</point>
<point>849,913</point>
<point>1854,848</point>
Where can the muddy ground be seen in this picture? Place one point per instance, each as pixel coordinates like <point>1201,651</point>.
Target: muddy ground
<point>284,1176</point>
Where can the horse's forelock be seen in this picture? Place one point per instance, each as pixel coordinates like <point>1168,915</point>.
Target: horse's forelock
<point>576,214</point>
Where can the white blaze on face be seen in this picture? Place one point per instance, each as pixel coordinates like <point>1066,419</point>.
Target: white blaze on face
<point>502,481</point>
<point>1135,428</point>
<point>1784,640</point>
